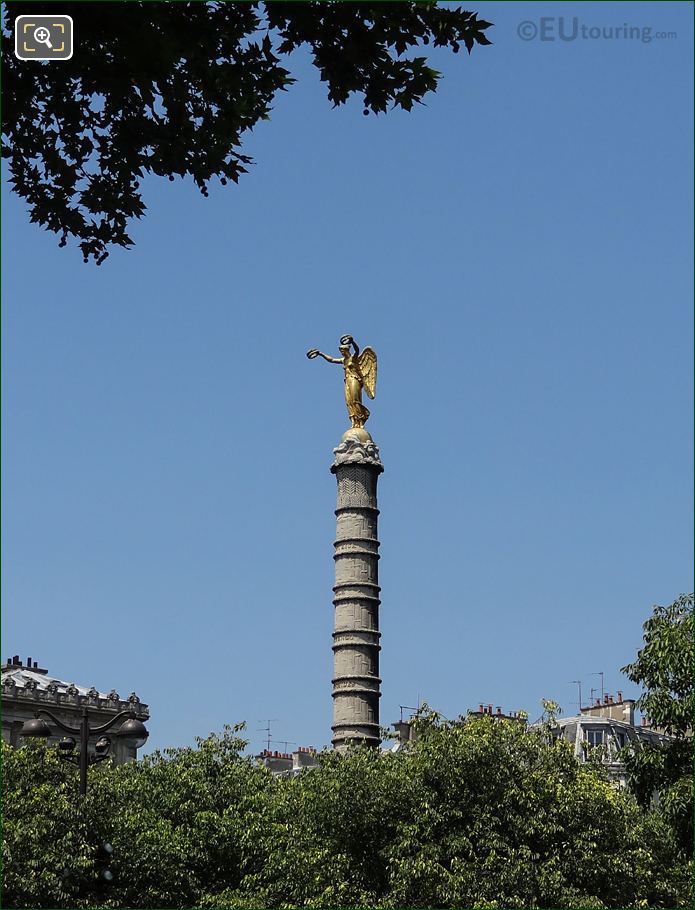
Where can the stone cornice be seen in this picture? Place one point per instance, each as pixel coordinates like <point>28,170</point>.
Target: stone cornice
<point>33,698</point>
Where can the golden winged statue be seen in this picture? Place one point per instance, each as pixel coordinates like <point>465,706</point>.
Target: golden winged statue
<point>360,372</point>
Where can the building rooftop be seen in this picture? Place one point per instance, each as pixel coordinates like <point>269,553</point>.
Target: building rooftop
<point>642,731</point>
<point>43,682</point>
<point>29,678</point>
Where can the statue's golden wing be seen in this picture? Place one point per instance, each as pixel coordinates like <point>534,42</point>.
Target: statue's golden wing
<point>367,362</point>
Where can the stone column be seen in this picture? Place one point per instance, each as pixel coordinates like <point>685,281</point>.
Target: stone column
<point>356,681</point>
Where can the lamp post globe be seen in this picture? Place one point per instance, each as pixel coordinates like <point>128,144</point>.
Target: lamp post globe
<point>134,732</point>
<point>36,728</point>
<point>102,746</point>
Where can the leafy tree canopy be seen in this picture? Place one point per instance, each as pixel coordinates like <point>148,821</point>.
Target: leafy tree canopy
<point>170,88</point>
<point>478,813</point>
<point>664,668</point>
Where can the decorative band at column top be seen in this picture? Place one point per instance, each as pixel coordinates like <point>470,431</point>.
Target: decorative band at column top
<point>351,539</point>
<point>347,641</point>
<point>355,541</point>
<point>342,509</point>
<point>358,644</point>
<point>377,468</point>
<point>347,677</point>
<point>343,553</point>
<point>355,691</point>
<point>350,638</point>
<point>347,645</point>
<point>345,736</point>
<point>356,629</point>
<point>357,599</point>
<point>356,584</point>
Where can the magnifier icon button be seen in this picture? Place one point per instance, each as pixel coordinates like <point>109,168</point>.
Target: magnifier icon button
<point>43,36</point>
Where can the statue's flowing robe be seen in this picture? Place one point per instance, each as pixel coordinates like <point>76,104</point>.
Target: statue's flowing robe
<point>353,394</point>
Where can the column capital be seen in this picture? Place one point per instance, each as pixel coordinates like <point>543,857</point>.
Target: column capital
<point>357,447</point>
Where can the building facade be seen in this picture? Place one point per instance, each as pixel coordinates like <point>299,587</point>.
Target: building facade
<point>406,731</point>
<point>27,688</point>
<point>288,764</point>
<point>608,724</point>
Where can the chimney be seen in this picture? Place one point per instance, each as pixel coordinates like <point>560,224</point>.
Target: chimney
<point>489,709</point>
<point>620,696</point>
<point>481,709</point>
<point>499,709</point>
<point>629,712</point>
<point>16,661</point>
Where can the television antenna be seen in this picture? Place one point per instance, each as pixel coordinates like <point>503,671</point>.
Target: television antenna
<point>600,673</point>
<point>285,743</point>
<point>267,730</point>
<point>577,682</point>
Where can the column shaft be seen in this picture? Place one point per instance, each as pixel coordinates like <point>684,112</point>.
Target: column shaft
<point>356,682</point>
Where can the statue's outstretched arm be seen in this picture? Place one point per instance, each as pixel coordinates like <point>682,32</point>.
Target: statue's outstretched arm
<point>314,353</point>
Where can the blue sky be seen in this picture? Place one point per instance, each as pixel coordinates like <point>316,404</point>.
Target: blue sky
<point>518,252</point>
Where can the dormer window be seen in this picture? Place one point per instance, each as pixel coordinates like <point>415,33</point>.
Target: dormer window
<point>594,737</point>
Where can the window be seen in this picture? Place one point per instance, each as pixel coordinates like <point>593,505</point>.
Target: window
<point>594,737</point>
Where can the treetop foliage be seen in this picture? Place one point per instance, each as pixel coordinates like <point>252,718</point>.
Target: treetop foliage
<point>478,813</point>
<point>665,667</point>
<point>170,88</point>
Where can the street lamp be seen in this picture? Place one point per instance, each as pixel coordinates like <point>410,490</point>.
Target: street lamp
<point>132,731</point>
